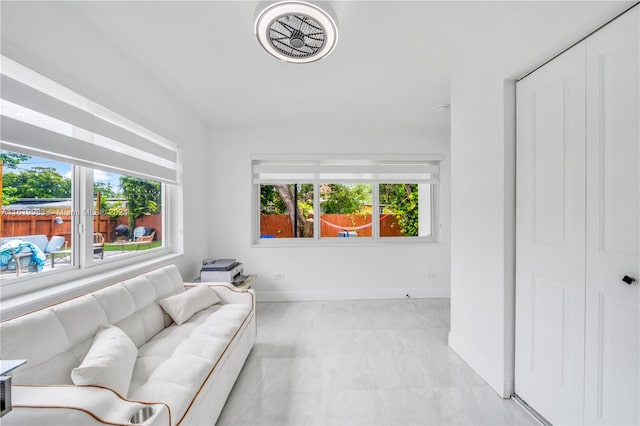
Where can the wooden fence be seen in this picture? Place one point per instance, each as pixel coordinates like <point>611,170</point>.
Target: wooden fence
<point>279,226</point>
<point>275,225</point>
<point>19,225</point>
<point>342,222</point>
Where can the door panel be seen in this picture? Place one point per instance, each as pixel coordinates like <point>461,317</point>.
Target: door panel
<point>550,225</point>
<point>549,167</point>
<point>612,357</point>
<point>548,313</point>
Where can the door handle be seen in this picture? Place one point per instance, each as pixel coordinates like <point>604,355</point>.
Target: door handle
<point>628,280</point>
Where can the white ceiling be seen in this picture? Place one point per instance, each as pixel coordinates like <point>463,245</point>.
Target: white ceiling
<point>391,68</point>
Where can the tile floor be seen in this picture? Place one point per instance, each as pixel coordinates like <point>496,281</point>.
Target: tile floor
<point>382,362</point>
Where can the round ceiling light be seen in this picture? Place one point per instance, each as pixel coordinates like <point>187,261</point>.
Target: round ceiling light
<point>296,31</point>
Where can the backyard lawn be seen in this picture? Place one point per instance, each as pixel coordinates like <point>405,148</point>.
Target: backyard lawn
<point>131,247</point>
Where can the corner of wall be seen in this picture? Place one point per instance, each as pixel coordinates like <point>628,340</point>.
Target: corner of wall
<point>509,111</point>
<point>502,386</point>
<point>483,224</point>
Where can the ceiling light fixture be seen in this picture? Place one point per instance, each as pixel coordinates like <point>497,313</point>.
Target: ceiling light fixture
<point>296,31</point>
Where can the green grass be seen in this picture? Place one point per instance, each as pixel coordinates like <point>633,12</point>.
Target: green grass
<point>131,247</point>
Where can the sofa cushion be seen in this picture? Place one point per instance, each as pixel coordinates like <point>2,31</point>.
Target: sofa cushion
<point>57,338</point>
<point>116,301</point>
<point>173,365</point>
<point>80,317</point>
<point>183,306</point>
<point>109,362</point>
<point>41,339</point>
<point>166,281</point>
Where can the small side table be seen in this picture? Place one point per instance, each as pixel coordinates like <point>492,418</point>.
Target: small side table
<point>6,367</point>
<point>245,284</point>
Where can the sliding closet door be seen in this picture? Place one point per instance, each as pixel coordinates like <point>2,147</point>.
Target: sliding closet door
<point>550,265</point>
<point>612,372</point>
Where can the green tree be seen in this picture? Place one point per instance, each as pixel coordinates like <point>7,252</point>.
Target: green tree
<point>12,159</point>
<point>270,200</point>
<point>38,182</point>
<point>402,201</point>
<point>9,195</point>
<point>281,199</point>
<point>345,199</point>
<point>115,209</point>
<point>105,189</point>
<point>143,197</point>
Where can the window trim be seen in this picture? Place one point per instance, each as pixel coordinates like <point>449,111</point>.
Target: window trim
<point>83,265</point>
<point>29,91</point>
<point>90,262</point>
<point>375,239</point>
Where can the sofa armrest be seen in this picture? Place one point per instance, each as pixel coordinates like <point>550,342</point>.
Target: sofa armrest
<point>228,293</point>
<point>77,405</point>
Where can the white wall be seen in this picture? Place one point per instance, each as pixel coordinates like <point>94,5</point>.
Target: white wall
<point>57,42</point>
<point>314,273</point>
<point>483,179</point>
<point>482,234</point>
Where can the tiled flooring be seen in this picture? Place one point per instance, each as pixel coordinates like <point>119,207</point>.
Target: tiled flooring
<point>382,362</point>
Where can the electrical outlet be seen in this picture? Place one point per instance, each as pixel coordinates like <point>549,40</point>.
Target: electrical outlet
<point>279,276</point>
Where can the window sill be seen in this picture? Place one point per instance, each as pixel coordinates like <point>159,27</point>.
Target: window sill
<point>343,242</point>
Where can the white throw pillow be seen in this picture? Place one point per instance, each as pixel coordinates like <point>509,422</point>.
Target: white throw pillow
<point>183,306</point>
<point>109,362</point>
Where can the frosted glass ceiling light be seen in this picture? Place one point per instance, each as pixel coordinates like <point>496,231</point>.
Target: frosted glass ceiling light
<point>297,31</point>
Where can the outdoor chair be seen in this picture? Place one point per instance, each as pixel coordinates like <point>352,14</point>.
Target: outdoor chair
<point>138,232</point>
<point>145,239</point>
<point>98,244</point>
<point>29,252</point>
<point>57,247</point>
<point>16,262</point>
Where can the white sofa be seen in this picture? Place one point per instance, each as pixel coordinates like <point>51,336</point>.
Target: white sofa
<point>184,373</point>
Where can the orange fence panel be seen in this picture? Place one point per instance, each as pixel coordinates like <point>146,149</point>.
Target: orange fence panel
<point>279,225</point>
<point>343,222</point>
<point>16,225</point>
<point>276,226</point>
<point>389,226</point>
<point>19,225</point>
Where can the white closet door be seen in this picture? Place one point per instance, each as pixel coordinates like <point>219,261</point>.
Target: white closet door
<point>612,359</point>
<point>550,265</point>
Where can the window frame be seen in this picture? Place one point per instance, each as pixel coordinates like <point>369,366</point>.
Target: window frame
<point>83,264</point>
<point>375,239</point>
<point>375,220</point>
<point>86,125</point>
<point>87,251</point>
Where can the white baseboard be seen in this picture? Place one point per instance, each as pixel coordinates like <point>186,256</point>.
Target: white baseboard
<point>363,294</point>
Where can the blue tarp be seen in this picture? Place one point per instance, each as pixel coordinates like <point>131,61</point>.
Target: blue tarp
<point>19,246</point>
